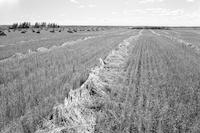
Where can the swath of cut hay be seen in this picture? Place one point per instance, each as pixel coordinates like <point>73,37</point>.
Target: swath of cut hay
<point>188,44</point>
<point>43,49</point>
<point>78,114</point>
<point>155,33</point>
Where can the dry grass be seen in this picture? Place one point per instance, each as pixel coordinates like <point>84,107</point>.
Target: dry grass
<point>30,87</point>
<point>153,89</point>
<point>83,106</point>
<point>22,40</point>
<point>164,88</point>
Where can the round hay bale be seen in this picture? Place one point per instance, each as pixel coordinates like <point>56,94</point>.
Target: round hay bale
<point>23,32</point>
<point>69,31</point>
<point>2,33</point>
<point>38,32</point>
<point>52,31</point>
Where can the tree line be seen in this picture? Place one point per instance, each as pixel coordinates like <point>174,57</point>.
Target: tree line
<point>151,27</point>
<point>26,25</point>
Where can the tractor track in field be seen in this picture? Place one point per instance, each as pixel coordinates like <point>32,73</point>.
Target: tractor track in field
<point>145,73</point>
<point>150,65</point>
<point>138,73</point>
<point>141,75</point>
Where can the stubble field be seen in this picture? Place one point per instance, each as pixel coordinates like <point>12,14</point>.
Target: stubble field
<point>147,81</point>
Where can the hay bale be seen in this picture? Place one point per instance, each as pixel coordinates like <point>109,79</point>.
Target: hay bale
<point>38,32</point>
<point>69,31</point>
<point>2,33</point>
<point>52,31</point>
<point>23,32</point>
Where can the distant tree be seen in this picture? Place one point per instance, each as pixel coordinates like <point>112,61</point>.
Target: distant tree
<point>14,26</point>
<point>53,25</point>
<point>36,25</point>
<point>44,24</point>
<point>24,25</point>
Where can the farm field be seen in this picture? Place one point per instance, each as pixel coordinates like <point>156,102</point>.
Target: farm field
<point>188,38</point>
<point>16,42</point>
<point>31,86</point>
<point>163,79</point>
<point>147,81</point>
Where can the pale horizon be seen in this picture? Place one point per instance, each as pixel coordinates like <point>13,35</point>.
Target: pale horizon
<point>102,12</point>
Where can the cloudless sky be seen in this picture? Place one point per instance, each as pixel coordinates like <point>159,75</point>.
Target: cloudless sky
<point>102,12</point>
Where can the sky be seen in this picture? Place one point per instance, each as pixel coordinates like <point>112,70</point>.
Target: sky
<point>102,12</point>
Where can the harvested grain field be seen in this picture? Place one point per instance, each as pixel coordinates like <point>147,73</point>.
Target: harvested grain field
<point>119,81</point>
<point>99,66</point>
<point>43,78</point>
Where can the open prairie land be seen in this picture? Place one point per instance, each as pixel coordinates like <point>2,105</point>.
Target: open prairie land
<point>147,81</point>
